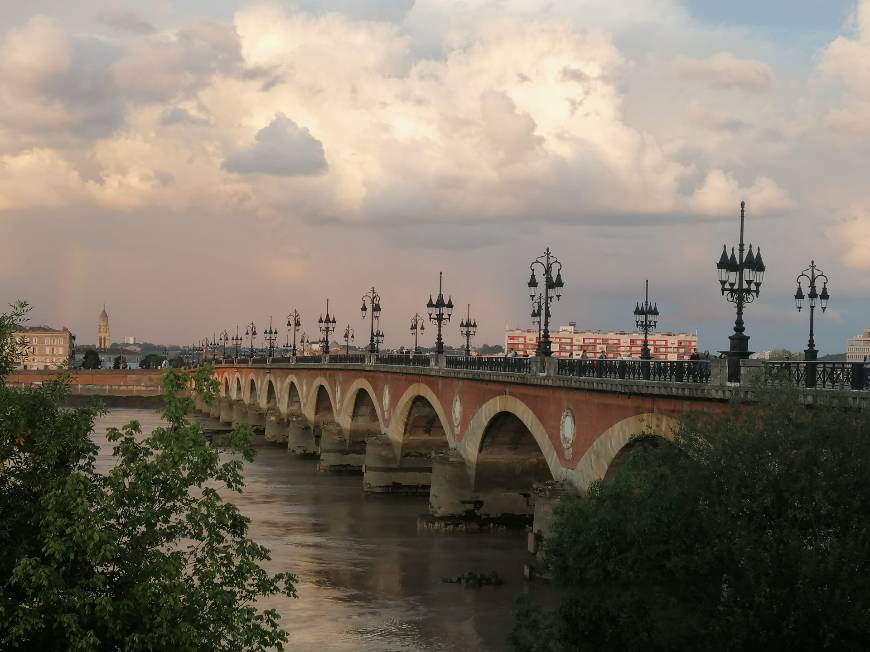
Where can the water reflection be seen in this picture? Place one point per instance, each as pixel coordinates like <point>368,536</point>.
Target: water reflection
<point>368,579</point>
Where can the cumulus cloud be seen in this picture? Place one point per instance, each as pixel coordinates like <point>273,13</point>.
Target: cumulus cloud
<point>725,70</point>
<point>124,20</point>
<point>854,236</point>
<point>283,148</point>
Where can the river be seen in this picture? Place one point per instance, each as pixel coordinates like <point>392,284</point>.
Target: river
<point>368,580</point>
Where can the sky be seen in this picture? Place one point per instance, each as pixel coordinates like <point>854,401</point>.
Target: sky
<point>198,164</point>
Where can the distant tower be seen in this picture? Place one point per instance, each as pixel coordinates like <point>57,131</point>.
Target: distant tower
<point>103,340</point>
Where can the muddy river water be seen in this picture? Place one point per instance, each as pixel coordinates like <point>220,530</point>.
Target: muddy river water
<point>368,578</point>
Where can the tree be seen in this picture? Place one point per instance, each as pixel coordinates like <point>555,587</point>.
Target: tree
<point>749,532</point>
<point>120,362</point>
<point>177,362</point>
<point>490,349</point>
<point>91,360</point>
<point>151,361</point>
<point>145,557</point>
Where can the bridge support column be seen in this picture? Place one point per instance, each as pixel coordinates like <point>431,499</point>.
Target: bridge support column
<point>225,410</point>
<point>256,418</point>
<point>214,410</point>
<point>453,496</point>
<point>276,428</point>
<point>547,496</point>
<point>301,437</point>
<point>382,473</point>
<point>240,414</point>
<point>340,451</point>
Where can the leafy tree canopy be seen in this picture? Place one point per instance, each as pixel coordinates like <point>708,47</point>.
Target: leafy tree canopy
<point>151,361</point>
<point>751,531</point>
<point>145,557</point>
<point>91,360</point>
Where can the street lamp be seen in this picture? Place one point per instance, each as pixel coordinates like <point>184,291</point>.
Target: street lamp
<point>646,317</point>
<point>417,328</point>
<point>373,299</point>
<point>468,327</point>
<point>553,285</point>
<point>251,333</point>
<point>348,338</point>
<point>327,325</point>
<point>223,339</point>
<point>271,334</point>
<point>237,341</point>
<point>812,274</point>
<point>740,282</point>
<point>213,346</point>
<point>294,322</point>
<point>439,312</point>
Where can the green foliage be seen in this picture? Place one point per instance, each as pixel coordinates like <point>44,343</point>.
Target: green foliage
<point>91,360</point>
<point>120,362</point>
<point>177,362</point>
<point>145,557</point>
<point>490,349</point>
<point>151,361</point>
<point>750,532</point>
<point>12,349</point>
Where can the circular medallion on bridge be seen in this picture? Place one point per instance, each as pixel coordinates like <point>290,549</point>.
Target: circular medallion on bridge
<point>457,412</point>
<point>386,400</point>
<point>567,429</point>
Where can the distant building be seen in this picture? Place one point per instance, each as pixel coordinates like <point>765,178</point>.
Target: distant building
<point>568,342</point>
<point>103,338</point>
<point>129,340</point>
<point>47,348</point>
<point>858,347</point>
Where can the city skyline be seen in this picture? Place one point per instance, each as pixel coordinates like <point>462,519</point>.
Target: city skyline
<point>197,165</point>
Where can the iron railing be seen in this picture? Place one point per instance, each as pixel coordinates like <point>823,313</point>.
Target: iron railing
<point>400,359</point>
<point>502,364</point>
<point>309,359</point>
<point>672,371</point>
<point>813,374</point>
<point>347,358</point>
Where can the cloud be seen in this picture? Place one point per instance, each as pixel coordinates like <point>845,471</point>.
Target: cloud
<point>124,20</point>
<point>726,71</point>
<point>853,235</point>
<point>283,148</point>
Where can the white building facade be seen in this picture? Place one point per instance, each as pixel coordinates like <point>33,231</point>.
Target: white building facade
<point>858,347</point>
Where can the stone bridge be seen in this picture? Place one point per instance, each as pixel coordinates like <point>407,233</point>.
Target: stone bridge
<point>476,441</point>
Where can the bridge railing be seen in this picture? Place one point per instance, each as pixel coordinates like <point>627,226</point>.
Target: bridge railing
<point>818,375</point>
<point>309,359</point>
<point>673,371</point>
<point>347,358</point>
<point>400,359</point>
<point>501,364</point>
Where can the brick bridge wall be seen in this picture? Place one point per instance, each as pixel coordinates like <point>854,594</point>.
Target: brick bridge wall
<point>97,382</point>
<point>605,414</point>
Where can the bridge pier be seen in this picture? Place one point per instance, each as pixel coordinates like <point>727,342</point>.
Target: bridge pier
<point>411,474</point>
<point>214,410</point>
<point>276,428</point>
<point>240,414</point>
<point>225,409</point>
<point>340,450</point>
<point>301,436</point>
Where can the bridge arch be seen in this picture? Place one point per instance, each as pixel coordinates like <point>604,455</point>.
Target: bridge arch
<point>399,422</point>
<point>320,404</point>
<point>237,388</point>
<point>290,396</point>
<point>251,391</point>
<point>271,395</point>
<point>225,386</point>
<point>352,407</point>
<point>473,440</point>
<point>607,446</point>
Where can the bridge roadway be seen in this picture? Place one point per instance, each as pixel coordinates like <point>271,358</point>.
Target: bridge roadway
<point>499,443</point>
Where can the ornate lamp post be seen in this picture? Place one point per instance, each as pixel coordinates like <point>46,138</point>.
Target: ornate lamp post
<point>294,322</point>
<point>213,346</point>
<point>740,281</point>
<point>439,312</point>
<point>72,350</point>
<point>468,327</point>
<point>812,274</point>
<point>251,333</point>
<point>553,285</point>
<point>417,328</point>
<point>271,334</point>
<point>237,342</point>
<point>348,338</point>
<point>223,338</point>
<point>373,299</point>
<point>327,325</point>
<point>646,317</point>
